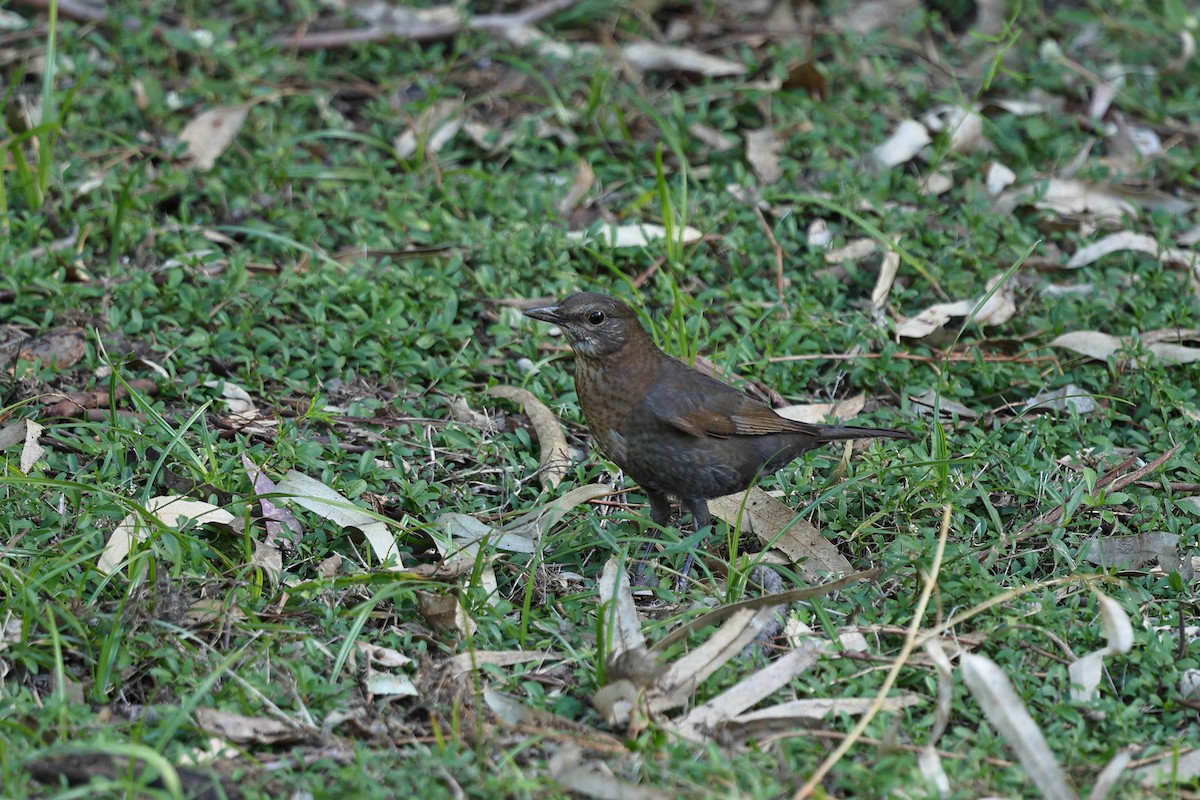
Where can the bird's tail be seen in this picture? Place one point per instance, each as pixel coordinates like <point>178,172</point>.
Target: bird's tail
<point>833,433</point>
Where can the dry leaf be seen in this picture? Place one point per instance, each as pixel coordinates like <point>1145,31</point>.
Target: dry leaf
<point>652,57</point>
<point>1069,196</point>
<point>1136,242</point>
<point>171,510</point>
<point>444,613</point>
<point>1173,769</point>
<point>281,524</point>
<point>748,692</point>
<point>866,16</point>
<point>997,178</point>
<point>889,267</point>
<point>471,660</point>
<point>242,729</point>
<point>778,526</point>
<point>1092,344</point>
<point>925,403</point>
<point>555,459</point>
<point>818,235</point>
<point>852,251</point>
<point>318,498</point>
<point>1069,398</point>
<point>1006,712</point>
<point>633,235</point>
<point>808,76</point>
<point>595,779</point>
<point>388,684</point>
<point>937,183</point>
<point>621,620</point>
<point>580,186</point>
<point>60,350</point>
<point>268,558</point>
<point>680,679</point>
<point>712,138</point>
<point>210,133</point>
<point>909,138</point>
<point>1086,672</point>
<point>964,126</point>
<point>820,413</point>
<point>27,432</point>
<point>434,126</point>
<point>997,308</point>
<point>1161,345</point>
<point>762,152</point>
<point>1131,552</point>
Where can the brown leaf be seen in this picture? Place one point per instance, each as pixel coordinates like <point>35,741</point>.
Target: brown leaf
<point>808,76</point>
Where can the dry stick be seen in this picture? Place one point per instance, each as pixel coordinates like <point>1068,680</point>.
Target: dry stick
<point>434,32</point>
<point>910,642</point>
<point>938,359</point>
<point>779,599</point>
<point>75,10</point>
<point>1114,477</point>
<point>778,255</point>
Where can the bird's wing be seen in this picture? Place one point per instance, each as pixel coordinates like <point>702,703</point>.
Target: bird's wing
<point>701,406</point>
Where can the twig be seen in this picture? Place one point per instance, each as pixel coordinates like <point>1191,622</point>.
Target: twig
<point>778,254</point>
<point>938,359</point>
<point>431,32</point>
<point>1116,477</point>
<point>76,10</point>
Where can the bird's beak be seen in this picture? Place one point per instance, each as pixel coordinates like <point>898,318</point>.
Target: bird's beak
<point>545,314</point>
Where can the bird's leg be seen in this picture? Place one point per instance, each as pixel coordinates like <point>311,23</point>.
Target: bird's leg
<point>660,514</point>
<point>660,507</point>
<point>701,517</point>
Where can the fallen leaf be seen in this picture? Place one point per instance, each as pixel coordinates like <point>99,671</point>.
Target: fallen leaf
<point>820,413</point>
<point>963,125</point>
<point>434,127</point>
<point>1092,344</point>
<point>780,527</point>
<point>1085,672</point>
<point>808,76</point>
<point>762,153</point>
<point>209,133</point>
<point>712,138</point>
<point>1006,712</point>
<point>852,251</point>
<point>653,57</point>
<point>903,145</point>
<point>633,235</point>
<point>27,432</point>
<point>171,510</point>
<point>1068,398</point>
<point>993,308</point>
<point>318,498</point>
<point>471,660</point>
<point>555,459</point>
<point>1131,552</point>
<point>926,402</point>
<point>1136,242</point>
<point>997,178</point>
<point>1069,196</point>
<point>59,350</point>
<point>244,729</point>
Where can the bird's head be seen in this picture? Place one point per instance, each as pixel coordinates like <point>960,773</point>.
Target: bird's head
<point>595,325</point>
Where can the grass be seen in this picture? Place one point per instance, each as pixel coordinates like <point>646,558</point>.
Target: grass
<point>242,275</point>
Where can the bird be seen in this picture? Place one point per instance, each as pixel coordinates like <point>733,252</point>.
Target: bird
<point>674,430</point>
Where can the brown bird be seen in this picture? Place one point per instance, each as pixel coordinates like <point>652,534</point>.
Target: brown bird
<point>675,431</point>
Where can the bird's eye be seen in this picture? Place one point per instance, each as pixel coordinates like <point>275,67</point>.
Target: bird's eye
<point>596,317</point>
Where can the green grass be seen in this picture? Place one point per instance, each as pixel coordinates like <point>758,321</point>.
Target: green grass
<point>239,274</point>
